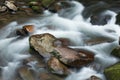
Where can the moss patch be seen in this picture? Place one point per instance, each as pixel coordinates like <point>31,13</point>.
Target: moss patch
<point>113,72</point>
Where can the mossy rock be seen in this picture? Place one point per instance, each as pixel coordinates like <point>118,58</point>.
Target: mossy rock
<point>47,3</point>
<point>116,52</point>
<point>113,72</point>
<point>37,9</point>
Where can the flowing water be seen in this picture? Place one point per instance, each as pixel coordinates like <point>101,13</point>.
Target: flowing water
<point>67,23</point>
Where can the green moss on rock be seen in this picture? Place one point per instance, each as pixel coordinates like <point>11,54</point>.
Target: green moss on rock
<point>113,72</point>
<point>116,52</point>
<point>47,3</point>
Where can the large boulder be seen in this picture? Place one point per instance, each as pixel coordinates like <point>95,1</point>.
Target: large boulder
<point>42,43</point>
<point>116,52</point>
<point>47,45</point>
<point>113,72</point>
<point>72,57</point>
<point>56,67</point>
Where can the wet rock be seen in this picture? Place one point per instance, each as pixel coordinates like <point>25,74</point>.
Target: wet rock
<point>94,78</point>
<point>36,6</point>
<point>42,43</point>
<point>47,3</point>
<point>26,30</point>
<point>113,72</point>
<point>65,41</point>
<point>26,74</point>
<point>37,9</point>
<point>56,67</point>
<point>28,11</point>
<point>116,52</point>
<point>71,57</point>
<point>55,8</point>
<point>99,19</point>
<point>48,76</point>
<point>29,28</point>
<point>95,9</point>
<point>21,32</point>
<point>118,19</point>
<point>100,40</point>
<point>34,3</point>
<point>11,5</point>
<point>3,8</point>
<point>62,42</point>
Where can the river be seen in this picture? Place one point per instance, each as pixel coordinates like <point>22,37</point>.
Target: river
<point>68,23</point>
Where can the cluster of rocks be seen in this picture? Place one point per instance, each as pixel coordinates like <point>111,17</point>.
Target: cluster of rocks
<point>51,58</point>
<point>58,58</point>
<point>8,5</point>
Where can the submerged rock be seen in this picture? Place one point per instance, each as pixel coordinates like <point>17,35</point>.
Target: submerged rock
<point>94,78</point>
<point>26,74</point>
<point>116,52</point>
<point>56,67</point>
<point>49,76</point>
<point>71,57</point>
<point>42,43</point>
<point>113,72</point>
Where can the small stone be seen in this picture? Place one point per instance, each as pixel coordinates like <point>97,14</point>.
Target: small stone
<point>3,8</point>
<point>34,3</point>
<point>26,73</point>
<point>29,28</point>
<point>94,78</point>
<point>56,67</point>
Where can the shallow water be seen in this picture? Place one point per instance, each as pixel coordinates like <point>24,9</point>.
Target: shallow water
<point>68,23</point>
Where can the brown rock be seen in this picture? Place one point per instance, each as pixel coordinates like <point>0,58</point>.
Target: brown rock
<point>26,73</point>
<point>71,57</point>
<point>21,32</point>
<point>25,30</point>
<point>55,66</point>
<point>42,43</point>
<point>48,76</point>
<point>29,28</point>
<point>94,78</point>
